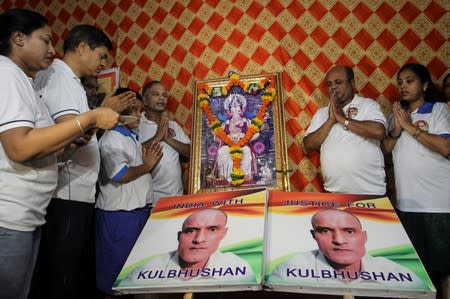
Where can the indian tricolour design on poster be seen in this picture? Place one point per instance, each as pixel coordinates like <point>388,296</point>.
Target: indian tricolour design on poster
<point>340,244</point>
<point>324,243</point>
<point>201,242</point>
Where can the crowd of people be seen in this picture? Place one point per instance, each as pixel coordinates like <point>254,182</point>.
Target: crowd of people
<point>62,190</point>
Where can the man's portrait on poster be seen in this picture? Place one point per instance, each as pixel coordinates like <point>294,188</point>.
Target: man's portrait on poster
<point>243,113</point>
<point>197,257</point>
<point>341,258</point>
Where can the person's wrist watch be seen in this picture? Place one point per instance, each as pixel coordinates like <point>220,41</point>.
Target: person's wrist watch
<point>346,122</point>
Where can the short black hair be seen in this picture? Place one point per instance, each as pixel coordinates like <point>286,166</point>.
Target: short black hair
<point>121,90</point>
<point>349,73</point>
<point>18,20</point>
<point>445,79</point>
<point>93,36</point>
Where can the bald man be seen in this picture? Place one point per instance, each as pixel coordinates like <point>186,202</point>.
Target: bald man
<point>197,257</point>
<point>341,259</point>
<point>348,133</point>
<point>200,237</point>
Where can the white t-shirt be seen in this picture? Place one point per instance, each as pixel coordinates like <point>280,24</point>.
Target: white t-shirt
<point>351,163</point>
<point>63,94</point>
<point>167,173</point>
<point>422,176</point>
<point>25,188</point>
<point>119,150</point>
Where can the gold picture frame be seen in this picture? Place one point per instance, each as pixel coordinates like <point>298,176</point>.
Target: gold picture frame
<point>238,136</point>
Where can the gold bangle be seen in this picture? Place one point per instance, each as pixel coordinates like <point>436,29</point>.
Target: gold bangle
<point>79,125</point>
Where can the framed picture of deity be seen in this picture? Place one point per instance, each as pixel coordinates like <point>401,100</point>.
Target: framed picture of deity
<point>238,137</point>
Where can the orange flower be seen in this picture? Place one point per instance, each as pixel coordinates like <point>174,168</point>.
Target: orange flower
<point>202,87</point>
<point>236,163</point>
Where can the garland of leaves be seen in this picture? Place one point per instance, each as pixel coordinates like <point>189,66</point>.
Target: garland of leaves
<point>204,93</point>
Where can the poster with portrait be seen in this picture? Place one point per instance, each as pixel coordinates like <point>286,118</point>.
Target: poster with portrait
<point>197,243</point>
<point>340,244</point>
<point>238,134</point>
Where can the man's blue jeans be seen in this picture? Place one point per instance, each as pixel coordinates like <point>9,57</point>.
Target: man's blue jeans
<point>18,252</point>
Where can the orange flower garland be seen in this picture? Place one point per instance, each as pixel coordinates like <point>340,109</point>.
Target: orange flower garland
<point>204,93</point>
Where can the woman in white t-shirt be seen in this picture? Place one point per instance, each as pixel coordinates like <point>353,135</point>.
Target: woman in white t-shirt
<point>28,141</point>
<point>419,139</point>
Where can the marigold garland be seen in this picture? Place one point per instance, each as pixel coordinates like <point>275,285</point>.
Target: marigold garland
<point>204,93</point>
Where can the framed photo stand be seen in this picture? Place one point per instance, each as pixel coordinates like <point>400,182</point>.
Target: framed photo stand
<point>238,138</point>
